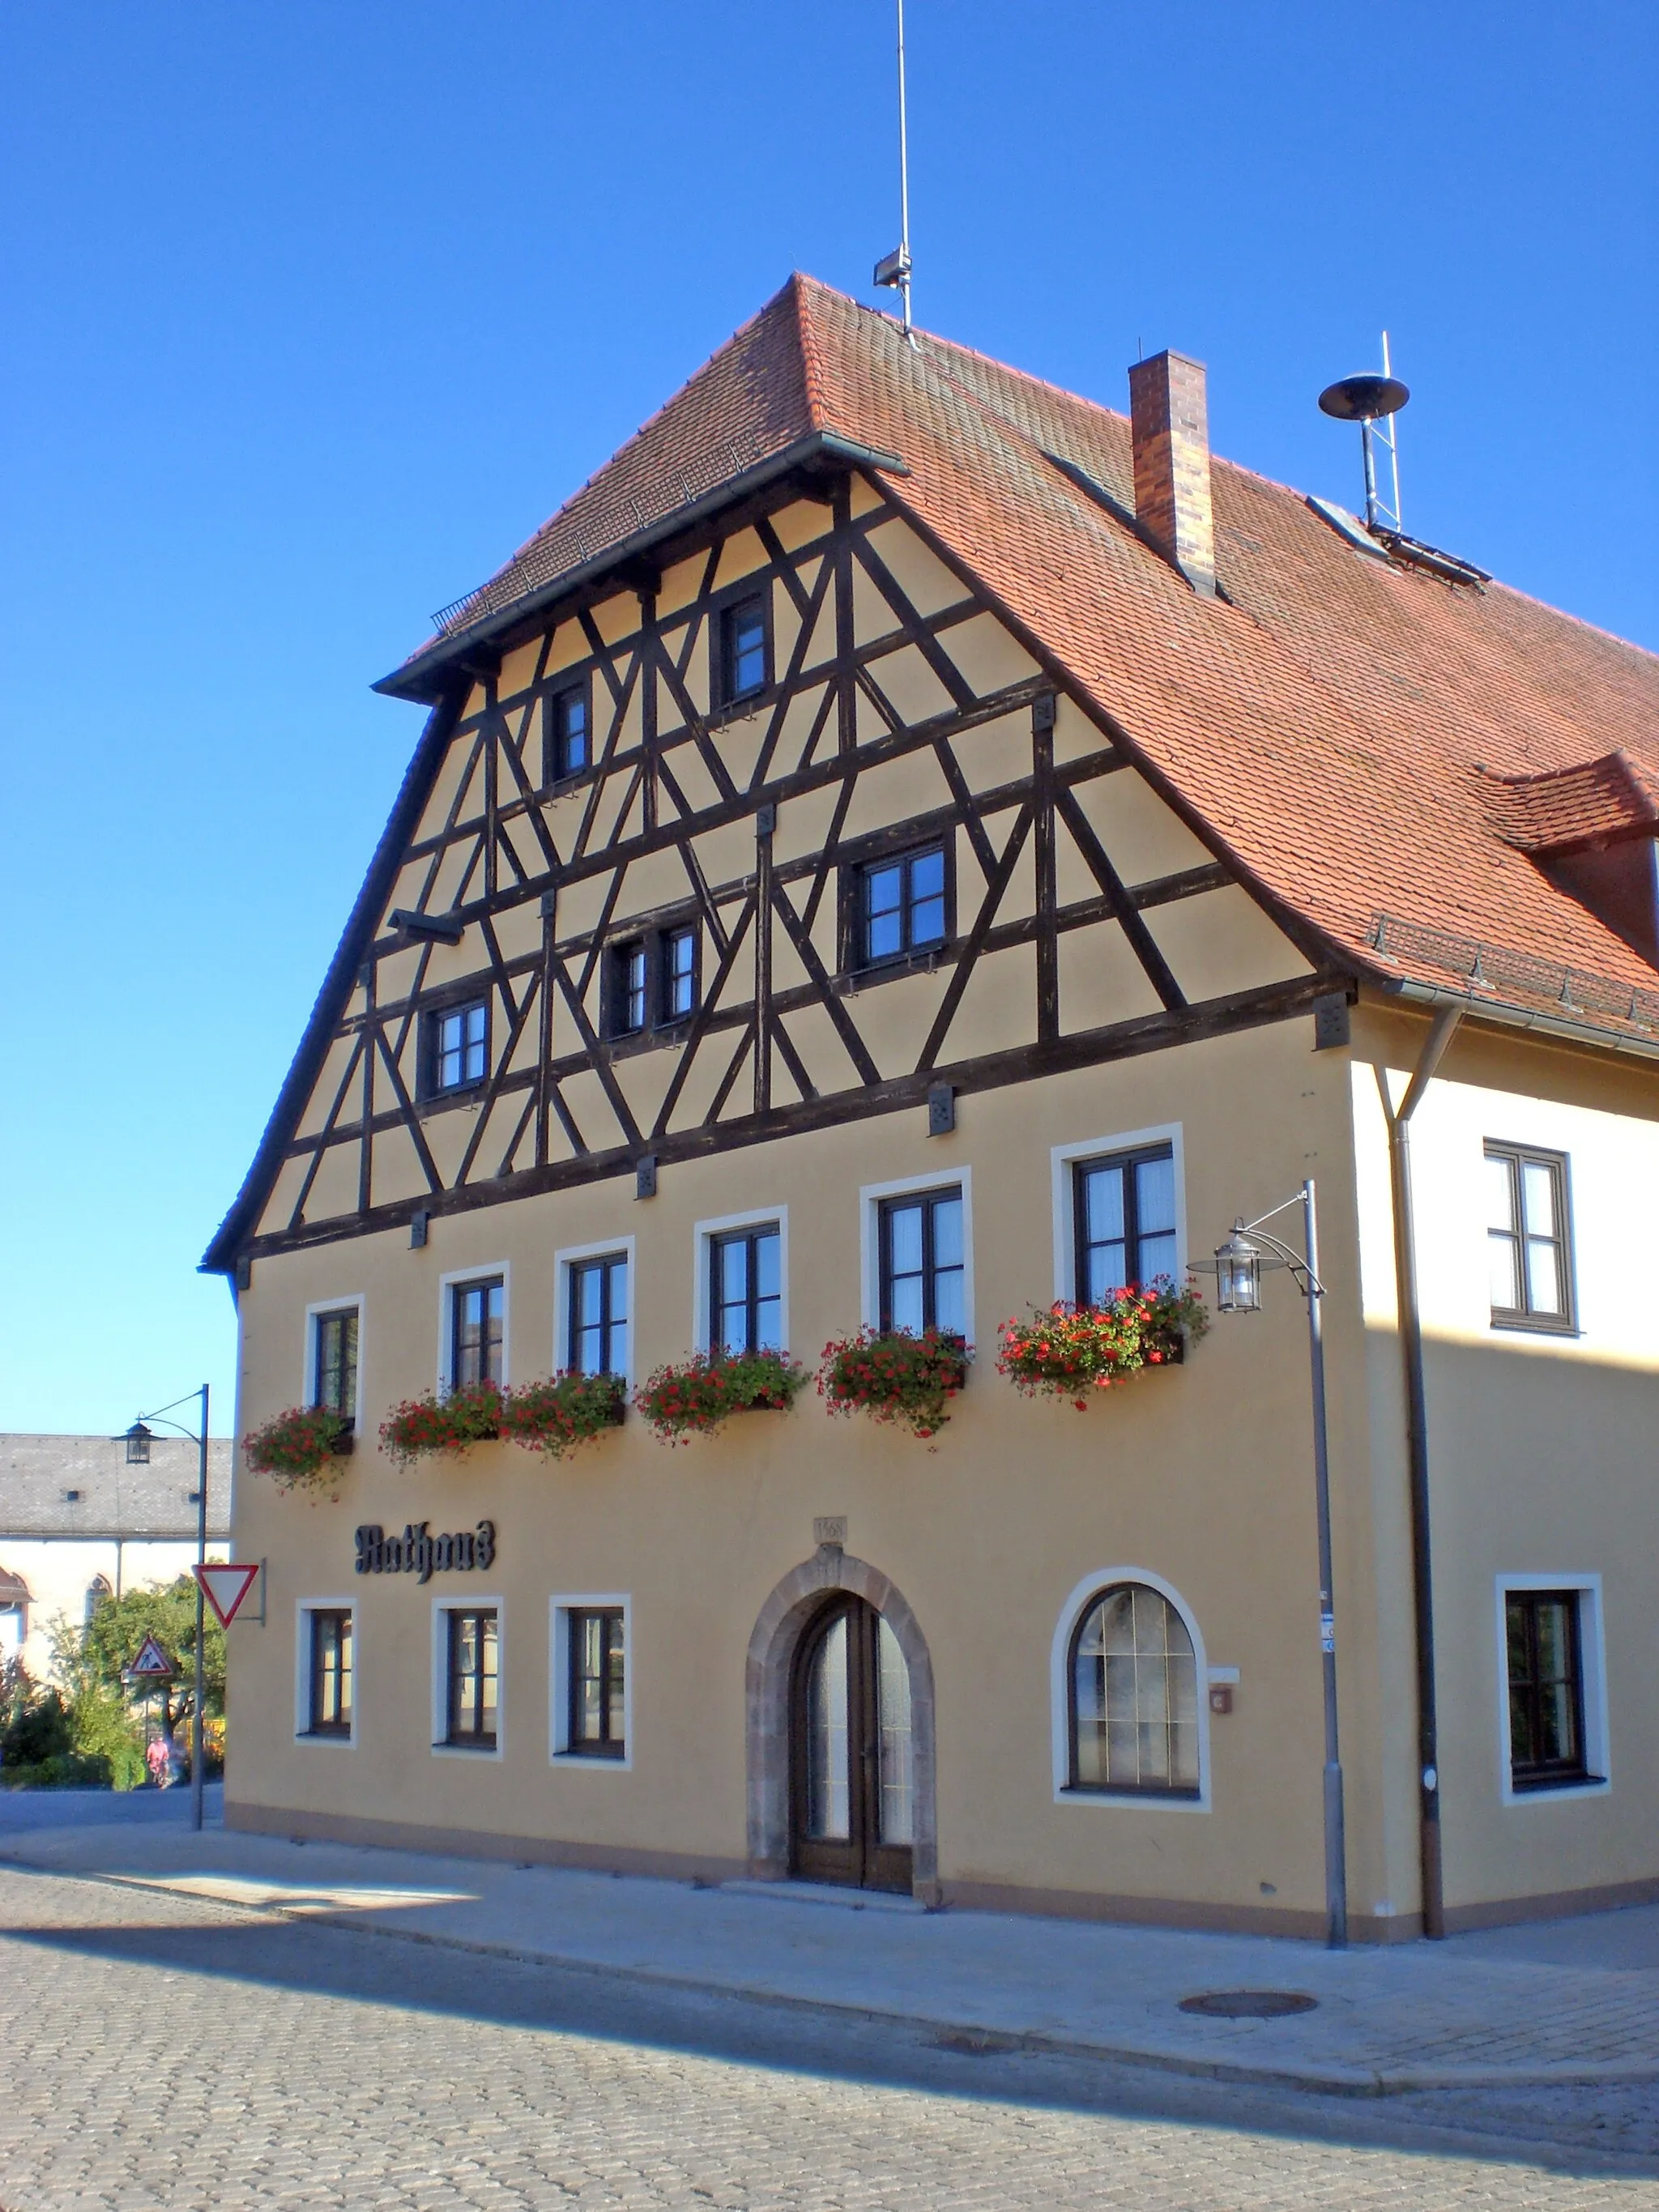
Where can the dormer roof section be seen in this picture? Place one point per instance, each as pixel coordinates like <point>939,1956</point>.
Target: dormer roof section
<point>1569,809</point>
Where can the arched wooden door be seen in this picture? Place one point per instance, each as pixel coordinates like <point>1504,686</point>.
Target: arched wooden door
<point>851,1787</point>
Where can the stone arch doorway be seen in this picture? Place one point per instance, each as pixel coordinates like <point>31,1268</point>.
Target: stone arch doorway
<point>789,1634</point>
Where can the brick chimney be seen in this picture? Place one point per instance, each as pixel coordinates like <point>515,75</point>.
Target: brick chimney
<point>1170,423</point>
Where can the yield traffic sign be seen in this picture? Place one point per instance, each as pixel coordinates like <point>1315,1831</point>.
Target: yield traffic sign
<point>152,1662</point>
<point>226,1586</point>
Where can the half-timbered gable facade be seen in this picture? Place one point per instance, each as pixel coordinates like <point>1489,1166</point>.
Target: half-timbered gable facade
<point>861,795</point>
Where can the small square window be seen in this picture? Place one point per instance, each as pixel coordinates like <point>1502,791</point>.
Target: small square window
<point>331,1671</point>
<point>744,649</point>
<point>596,1669</point>
<point>474,1678</point>
<point>1529,1238</point>
<point>745,1292</point>
<point>1544,1641</point>
<point>334,1371</point>
<point>459,1047</point>
<point>651,982</point>
<point>923,1263</point>
<point>567,743</point>
<point>599,1316</point>
<point>478,1316</point>
<point>901,906</point>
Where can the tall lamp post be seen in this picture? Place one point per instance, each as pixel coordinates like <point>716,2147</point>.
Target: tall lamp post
<point>138,1439</point>
<point>1238,1266</point>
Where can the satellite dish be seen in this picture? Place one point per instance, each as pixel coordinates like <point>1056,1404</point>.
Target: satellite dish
<point>1364,398</point>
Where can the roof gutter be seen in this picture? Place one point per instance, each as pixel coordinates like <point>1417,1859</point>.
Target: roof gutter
<point>1507,1015</point>
<point>422,676</point>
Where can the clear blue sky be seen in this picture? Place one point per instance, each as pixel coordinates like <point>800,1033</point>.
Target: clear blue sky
<point>313,311</point>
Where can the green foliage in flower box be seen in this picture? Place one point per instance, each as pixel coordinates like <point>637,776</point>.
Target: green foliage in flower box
<point>296,1448</point>
<point>895,1375</point>
<point>692,1397</point>
<point>423,1426</point>
<point>556,1416</point>
<point>1070,1352</point>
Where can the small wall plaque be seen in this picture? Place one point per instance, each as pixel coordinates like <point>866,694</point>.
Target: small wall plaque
<point>645,1177</point>
<point>941,1111</point>
<point>1330,1022</point>
<point>417,1231</point>
<point>830,1529</point>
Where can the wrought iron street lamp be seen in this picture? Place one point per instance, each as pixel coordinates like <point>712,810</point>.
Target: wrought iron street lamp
<point>1238,1268</point>
<point>138,1439</point>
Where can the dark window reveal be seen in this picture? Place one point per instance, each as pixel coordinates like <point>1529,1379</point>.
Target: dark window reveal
<point>742,649</point>
<point>597,1723</point>
<point>1124,1208</point>
<point>334,1380</point>
<point>651,982</point>
<point>922,1267</point>
<point>1133,1691</point>
<point>460,1046</point>
<point>1529,1241</point>
<point>474,1671</point>
<point>745,1300</point>
<point>901,906</point>
<point>476,1312</point>
<point>566,751</point>
<point>599,1316</point>
<point>1547,1688</point>
<point>330,1673</point>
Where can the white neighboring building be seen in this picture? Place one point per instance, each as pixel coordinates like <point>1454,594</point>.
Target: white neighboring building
<point>77,1523</point>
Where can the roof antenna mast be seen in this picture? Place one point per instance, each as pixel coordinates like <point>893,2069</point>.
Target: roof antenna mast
<point>1372,401</point>
<point>893,270</point>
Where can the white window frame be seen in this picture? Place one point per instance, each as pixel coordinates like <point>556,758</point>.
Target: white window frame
<point>871,1196</point>
<point>313,1314</point>
<point>703,1234</point>
<point>303,1612</point>
<point>458,1279</point>
<point>564,1259</point>
<point>1060,1691</point>
<point>442,1608</point>
<point>1593,1658</point>
<point>560,1750</point>
<point>1063,1160</point>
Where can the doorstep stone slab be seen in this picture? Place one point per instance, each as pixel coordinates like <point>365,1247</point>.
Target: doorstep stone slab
<point>834,1898</point>
<point>1461,2013</point>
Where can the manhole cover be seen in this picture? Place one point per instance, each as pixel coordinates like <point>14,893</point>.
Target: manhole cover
<point>1248,2004</point>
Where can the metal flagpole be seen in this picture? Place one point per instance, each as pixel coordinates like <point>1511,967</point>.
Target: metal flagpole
<point>1336,1874</point>
<point>904,178</point>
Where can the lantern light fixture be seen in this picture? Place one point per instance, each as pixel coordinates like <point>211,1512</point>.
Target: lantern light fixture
<point>1238,1273</point>
<point>138,1440</point>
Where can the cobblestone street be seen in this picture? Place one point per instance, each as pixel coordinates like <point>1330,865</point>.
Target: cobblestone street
<point>172,2051</point>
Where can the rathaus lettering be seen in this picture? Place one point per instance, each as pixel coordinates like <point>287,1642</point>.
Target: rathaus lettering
<point>418,1552</point>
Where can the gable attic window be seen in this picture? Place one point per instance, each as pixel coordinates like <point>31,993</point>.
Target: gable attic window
<point>457,1047</point>
<point>1591,830</point>
<point>566,749</point>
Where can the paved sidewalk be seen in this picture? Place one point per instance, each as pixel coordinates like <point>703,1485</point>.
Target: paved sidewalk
<point>1568,2000</point>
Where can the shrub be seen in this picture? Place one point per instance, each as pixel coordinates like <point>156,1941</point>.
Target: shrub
<point>420,1427</point>
<point>556,1416</point>
<point>895,1375</point>
<point>296,1448</point>
<point>694,1396</point>
<point>1071,1352</point>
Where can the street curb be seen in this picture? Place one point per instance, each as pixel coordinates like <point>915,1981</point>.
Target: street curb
<point>1331,2081</point>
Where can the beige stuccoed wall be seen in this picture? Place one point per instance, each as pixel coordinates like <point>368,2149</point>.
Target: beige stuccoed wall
<point>1541,1449</point>
<point>1199,1475</point>
<point>59,1571</point>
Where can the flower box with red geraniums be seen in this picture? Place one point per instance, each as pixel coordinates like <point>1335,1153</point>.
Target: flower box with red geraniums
<point>295,1448</point>
<point>424,1426</point>
<point>1071,1352</point>
<point>557,1417</point>
<point>896,1376</point>
<point>694,1396</point>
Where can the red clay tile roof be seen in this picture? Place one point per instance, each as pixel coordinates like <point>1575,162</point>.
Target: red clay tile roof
<point>1358,737</point>
<point>1598,802</point>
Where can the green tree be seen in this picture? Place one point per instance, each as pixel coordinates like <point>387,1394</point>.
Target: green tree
<point>113,1638</point>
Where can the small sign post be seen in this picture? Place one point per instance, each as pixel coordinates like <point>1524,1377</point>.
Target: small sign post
<point>226,1585</point>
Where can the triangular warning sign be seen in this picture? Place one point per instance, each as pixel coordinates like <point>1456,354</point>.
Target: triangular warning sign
<point>225,1586</point>
<point>151,1660</point>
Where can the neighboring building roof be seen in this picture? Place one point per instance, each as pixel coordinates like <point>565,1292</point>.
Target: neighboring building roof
<point>1331,724</point>
<point>37,1473</point>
